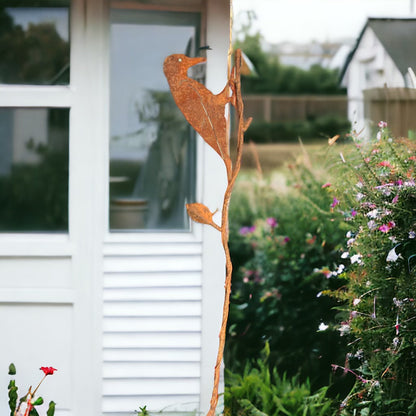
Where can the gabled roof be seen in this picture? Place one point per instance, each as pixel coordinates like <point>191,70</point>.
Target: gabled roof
<point>397,35</point>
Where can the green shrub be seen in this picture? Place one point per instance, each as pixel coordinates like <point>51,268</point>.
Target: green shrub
<point>289,131</point>
<point>260,391</point>
<point>282,247</point>
<point>377,190</point>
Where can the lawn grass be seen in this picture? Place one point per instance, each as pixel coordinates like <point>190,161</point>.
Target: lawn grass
<point>276,156</point>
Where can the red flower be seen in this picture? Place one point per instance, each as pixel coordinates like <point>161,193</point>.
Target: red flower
<point>48,370</point>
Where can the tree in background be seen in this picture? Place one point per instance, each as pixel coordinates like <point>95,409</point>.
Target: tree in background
<point>275,78</point>
<point>37,55</point>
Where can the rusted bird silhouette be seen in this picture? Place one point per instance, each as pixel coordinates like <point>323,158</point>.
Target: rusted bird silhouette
<point>204,111</point>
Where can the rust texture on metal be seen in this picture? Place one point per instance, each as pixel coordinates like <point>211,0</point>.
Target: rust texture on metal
<point>207,114</point>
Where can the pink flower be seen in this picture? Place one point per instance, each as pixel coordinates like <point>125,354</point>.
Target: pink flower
<point>385,163</point>
<point>326,185</point>
<point>353,213</point>
<point>272,222</point>
<point>335,202</point>
<point>382,124</point>
<point>247,230</point>
<point>385,228</point>
<point>395,199</point>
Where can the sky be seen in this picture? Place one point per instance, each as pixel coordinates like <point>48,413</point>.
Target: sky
<point>321,20</point>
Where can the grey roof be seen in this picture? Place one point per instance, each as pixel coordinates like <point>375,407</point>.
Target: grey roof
<point>397,35</point>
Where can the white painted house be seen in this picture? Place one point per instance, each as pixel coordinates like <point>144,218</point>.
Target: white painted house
<point>102,275</point>
<point>384,51</point>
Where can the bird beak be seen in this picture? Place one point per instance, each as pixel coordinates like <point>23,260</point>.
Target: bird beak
<point>195,61</point>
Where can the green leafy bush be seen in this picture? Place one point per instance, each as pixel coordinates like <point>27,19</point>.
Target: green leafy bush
<point>377,193</point>
<point>260,391</point>
<point>289,131</point>
<point>283,245</point>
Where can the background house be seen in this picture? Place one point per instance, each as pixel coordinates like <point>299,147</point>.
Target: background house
<point>127,310</point>
<point>382,56</point>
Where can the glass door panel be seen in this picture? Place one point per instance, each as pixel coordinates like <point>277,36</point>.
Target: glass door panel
<point>152,148</point>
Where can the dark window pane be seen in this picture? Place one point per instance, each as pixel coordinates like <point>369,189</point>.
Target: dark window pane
<point>34,169</point>
<point>152,148</point>
<point>34,42</point>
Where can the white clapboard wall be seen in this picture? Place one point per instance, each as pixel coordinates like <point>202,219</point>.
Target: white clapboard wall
<point>151,327</point>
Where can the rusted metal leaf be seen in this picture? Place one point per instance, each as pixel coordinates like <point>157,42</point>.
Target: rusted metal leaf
<point>200,213</point>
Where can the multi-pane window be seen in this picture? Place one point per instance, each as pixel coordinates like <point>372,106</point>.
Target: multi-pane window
<point>152,149</point>
<point>34,140</point>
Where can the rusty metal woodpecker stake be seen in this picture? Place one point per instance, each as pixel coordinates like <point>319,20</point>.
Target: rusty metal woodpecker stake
<point>206,113</point>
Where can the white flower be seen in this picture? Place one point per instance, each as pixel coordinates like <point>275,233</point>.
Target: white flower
<point>412,234</point>
<point>356,301</point>
<point>345,255</point>
<point>356,258</point>
<point>344,329</point>
<point>323,327</point>
<point>359,184</point>
<point>340,269</point>
<point>392,256</point>
<point>359,196</point>
<point>393,239</point>
<point>371,225</point>
<point>350,242</point>
<point>373,213</point>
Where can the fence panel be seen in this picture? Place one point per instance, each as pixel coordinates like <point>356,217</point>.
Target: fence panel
<point>396,106</point>
<point>293,107</point>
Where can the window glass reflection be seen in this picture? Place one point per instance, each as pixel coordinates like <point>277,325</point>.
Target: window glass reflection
<point>34,42</point>
<point>33,169</point>
<point>152,148</point>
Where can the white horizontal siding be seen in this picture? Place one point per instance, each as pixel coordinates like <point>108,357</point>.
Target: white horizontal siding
<point>151,327</point>
<point>156,279</point>
<point>155,263</point>
<point>151,386</point>
<point>159,324</point>
<point>122,405</point>
<point>166,369</point>
<point>151,354</point>
<point>153,293</point>
<point>152,339</point>
<point>152,308</point>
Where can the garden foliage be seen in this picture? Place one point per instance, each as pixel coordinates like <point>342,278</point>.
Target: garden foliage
<point>259,391</point>
<point>283,246</point>
<point>289,131</point>
<point>377,193</point>
<point>325,275</point>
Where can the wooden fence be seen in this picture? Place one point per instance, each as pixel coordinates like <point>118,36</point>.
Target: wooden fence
<point>290,108</point>
<point>396,106</point>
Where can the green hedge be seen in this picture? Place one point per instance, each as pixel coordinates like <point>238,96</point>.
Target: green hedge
<point>325,126</point>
